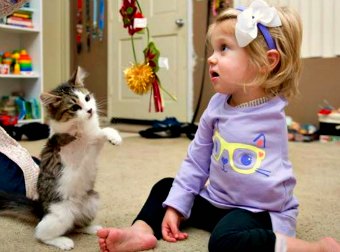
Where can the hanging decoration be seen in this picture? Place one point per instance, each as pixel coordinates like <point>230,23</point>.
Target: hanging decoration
<point>79,25</point>
<point>218,5</point>
<point>94,20</point>
<point>142,77</point>
<point>88,25</point>
<point>94,28</point>
<point>101,20</point>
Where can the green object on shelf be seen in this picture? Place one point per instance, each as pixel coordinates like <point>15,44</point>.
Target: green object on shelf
<point>28,106</point>
<point>36,109</point>
<point>21,107</point>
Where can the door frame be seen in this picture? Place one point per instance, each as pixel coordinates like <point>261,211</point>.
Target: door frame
<point>191,61</point>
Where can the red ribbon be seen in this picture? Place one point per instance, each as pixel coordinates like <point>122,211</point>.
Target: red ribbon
<point>157,96</point>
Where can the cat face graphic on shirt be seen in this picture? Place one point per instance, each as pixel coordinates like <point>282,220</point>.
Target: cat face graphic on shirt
<point>242,158</point>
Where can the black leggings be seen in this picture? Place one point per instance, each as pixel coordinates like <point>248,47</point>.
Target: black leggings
<point>12,178</point>
<point>231,229</point>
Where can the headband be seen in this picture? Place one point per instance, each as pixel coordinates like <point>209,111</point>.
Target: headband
<point>258,16</point>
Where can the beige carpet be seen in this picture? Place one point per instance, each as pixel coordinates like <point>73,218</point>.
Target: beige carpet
<point>127,172</point>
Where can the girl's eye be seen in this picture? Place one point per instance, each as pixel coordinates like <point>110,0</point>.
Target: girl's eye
<point>87,98</point>
<point>75,107</point>
<point>224,47</point>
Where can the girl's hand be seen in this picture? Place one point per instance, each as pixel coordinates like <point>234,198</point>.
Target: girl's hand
<point>170,225</point>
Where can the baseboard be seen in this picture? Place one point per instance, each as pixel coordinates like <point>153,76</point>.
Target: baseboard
<point>116,120</point>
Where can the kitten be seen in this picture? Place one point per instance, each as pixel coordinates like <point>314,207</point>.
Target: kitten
<point>67,200</point>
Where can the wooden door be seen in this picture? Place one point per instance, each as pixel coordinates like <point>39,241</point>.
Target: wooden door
<point>172,41</point>
<point>92,58</point>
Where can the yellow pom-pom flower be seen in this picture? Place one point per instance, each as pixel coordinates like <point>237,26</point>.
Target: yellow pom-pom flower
<point>139,78</point>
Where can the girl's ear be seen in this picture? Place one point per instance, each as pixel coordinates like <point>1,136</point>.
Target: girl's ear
<point>273,59</point>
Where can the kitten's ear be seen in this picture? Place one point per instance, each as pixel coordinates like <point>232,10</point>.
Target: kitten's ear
<point>78,77</point>
<point>48,99</point>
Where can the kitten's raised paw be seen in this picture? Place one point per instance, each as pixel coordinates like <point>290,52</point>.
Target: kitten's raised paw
<point>112,135</point>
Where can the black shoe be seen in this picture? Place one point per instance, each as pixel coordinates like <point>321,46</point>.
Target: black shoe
<point>161,132</point>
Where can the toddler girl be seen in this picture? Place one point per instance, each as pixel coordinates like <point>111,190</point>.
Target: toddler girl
<point>236,181</point>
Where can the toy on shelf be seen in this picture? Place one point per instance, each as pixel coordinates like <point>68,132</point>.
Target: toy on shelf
<point>8,111</point>
<point>14,108</point>
<point>16,68</point>
<point>7,120</point>
<point>28,109</point>
<point>7,58</point>
<point>5,63</point>
<point>16,62</point>
<point>25,62</point>
<point>20,103</point>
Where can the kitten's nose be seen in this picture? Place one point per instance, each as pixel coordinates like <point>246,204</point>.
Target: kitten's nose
<point>89,111</point>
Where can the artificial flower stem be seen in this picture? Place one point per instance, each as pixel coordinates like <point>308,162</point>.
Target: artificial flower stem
<point>139,8</point>
<point>147,34</point>
<point>133,49</point>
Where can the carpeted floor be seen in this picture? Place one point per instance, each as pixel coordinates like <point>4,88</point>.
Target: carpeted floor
<point>127,172</point>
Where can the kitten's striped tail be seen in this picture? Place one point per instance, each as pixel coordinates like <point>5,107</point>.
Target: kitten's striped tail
<point>20,207</point>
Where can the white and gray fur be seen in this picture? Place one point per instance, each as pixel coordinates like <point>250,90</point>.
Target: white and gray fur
<point>67,200</point>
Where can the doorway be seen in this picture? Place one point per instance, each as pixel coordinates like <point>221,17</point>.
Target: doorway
<point>93,56</point>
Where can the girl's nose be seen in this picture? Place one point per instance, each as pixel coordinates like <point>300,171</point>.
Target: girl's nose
<point>212,60</point>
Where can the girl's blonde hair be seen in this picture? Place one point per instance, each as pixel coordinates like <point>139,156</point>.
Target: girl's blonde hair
<point>284,79</point>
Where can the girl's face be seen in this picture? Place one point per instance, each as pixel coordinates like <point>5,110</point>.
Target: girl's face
<point>229,65</point>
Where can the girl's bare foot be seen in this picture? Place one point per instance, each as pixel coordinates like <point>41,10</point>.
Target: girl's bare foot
<point>329,244</point>
<point>125,240</point>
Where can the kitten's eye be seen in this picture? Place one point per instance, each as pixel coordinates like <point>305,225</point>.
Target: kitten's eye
<point>87,98</point>
<point>75,107</point>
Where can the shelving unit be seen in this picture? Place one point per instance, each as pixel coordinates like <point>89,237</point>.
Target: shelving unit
<point>15,37</point>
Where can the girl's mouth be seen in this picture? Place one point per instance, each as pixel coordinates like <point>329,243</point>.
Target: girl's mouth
<point>214,75</point>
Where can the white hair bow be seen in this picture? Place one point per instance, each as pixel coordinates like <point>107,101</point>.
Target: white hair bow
<point>258,13</point>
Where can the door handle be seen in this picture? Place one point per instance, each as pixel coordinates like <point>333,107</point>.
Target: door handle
<point>179,22</point>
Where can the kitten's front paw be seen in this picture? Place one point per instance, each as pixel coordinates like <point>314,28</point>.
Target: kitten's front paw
<point>112,135</point>
<point>61,242</point>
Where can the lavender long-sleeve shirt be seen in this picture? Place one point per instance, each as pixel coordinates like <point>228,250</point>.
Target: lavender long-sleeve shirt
<point>239,159</point>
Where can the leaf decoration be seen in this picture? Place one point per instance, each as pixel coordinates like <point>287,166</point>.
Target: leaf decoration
<point>151,55</point>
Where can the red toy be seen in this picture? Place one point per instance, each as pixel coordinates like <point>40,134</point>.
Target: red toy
<point>7,120</point>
